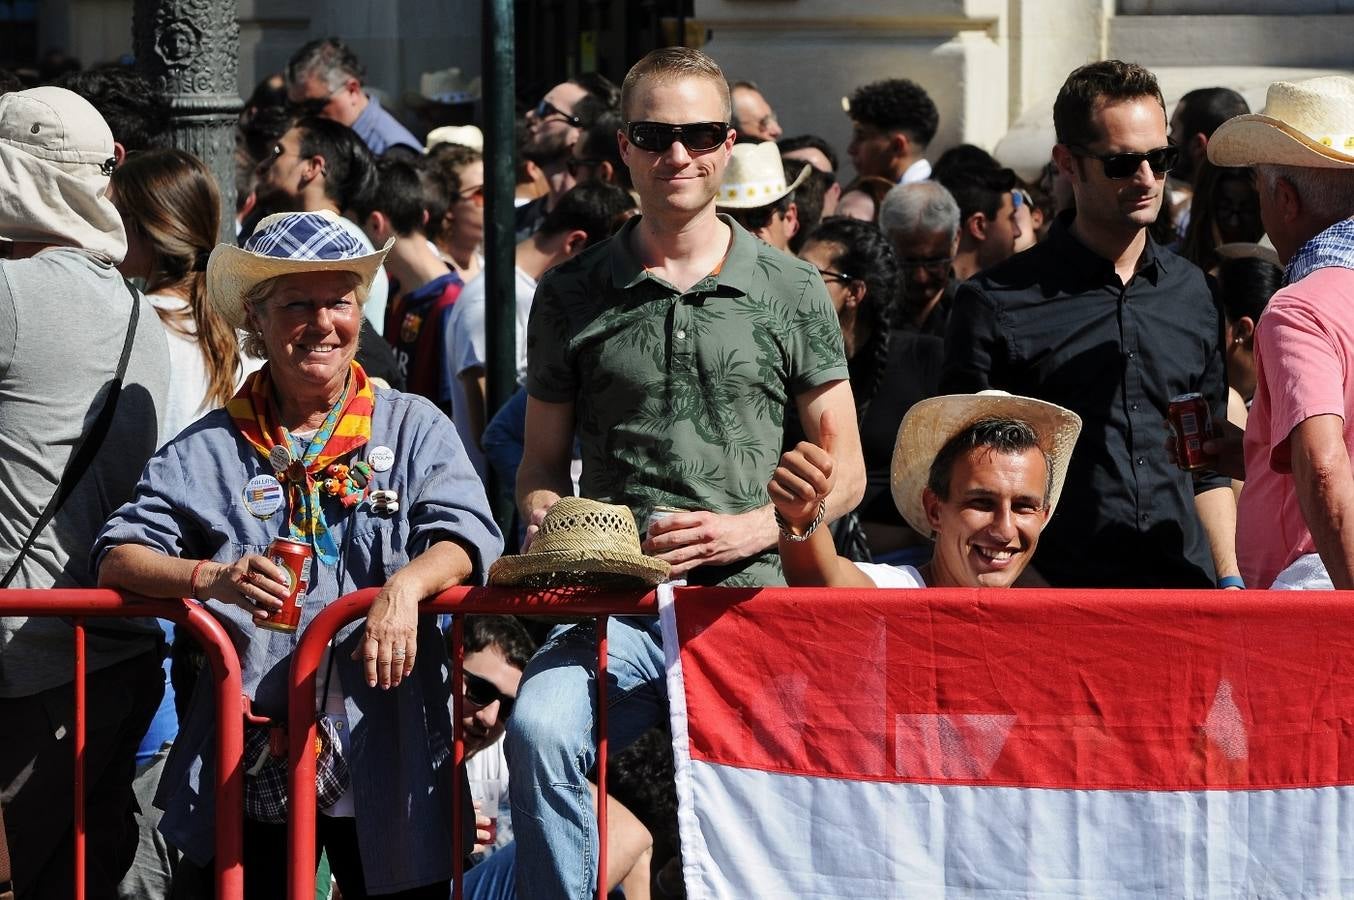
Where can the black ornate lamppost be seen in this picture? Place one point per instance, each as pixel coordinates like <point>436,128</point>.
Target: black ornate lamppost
<point>189,50</point>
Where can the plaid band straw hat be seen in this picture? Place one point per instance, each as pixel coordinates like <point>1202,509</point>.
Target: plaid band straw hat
<point>929,425</point>
<point>286,244</point>
<point>582,542</point>
<point>1308,123</point>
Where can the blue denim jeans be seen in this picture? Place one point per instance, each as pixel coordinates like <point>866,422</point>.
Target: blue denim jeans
<point>552,744</point>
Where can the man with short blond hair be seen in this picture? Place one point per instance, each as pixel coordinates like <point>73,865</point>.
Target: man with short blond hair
<point>671,351</point>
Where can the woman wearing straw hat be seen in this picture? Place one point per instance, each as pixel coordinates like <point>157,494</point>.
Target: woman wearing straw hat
<point>375,484</point>
<point>979,473</point>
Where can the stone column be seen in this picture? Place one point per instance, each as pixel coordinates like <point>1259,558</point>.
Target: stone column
<point>189,49</point>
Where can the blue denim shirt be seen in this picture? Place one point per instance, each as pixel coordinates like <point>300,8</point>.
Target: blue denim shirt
<point>379,130</point>
<point>189,503</point>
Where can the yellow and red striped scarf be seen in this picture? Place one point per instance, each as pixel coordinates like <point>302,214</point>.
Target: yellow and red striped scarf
<point>347,428</point>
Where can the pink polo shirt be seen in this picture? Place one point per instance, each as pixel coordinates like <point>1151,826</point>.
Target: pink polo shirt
<point>1304,358</point>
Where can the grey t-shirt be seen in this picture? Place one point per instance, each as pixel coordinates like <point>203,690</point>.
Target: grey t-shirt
<point>63,317</point>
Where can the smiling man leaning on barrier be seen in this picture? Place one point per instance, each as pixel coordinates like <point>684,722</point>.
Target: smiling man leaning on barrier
<point>979,473</point>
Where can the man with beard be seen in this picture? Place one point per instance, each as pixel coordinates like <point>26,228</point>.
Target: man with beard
<point>553,127</point>
<point>1101,319</point>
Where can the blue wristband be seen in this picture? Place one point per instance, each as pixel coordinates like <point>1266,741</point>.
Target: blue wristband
<point>1231,581</point>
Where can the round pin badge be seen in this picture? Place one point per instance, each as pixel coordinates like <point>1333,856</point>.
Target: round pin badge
<point>381,459</point>
<point>279,458</point>
<point>263,496</point>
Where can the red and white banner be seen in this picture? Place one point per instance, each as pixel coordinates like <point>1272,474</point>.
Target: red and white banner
<point>1012,744</point>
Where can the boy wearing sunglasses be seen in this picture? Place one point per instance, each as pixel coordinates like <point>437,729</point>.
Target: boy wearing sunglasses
<point>1101,319</point>
<point>671,350</point>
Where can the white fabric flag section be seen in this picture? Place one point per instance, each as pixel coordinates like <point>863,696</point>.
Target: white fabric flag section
<point>957,744</point>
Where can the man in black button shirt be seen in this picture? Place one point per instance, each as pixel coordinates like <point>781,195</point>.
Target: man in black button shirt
<point>1103,320</point>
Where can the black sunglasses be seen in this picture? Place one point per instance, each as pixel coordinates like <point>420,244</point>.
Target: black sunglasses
<point>657,137</point>
<point>481,692</point>
<point>546,109</point>
<point>1123,165</point>
<point>829,275</point>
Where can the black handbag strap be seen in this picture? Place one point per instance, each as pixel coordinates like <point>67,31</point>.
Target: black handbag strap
<point>89,444</point>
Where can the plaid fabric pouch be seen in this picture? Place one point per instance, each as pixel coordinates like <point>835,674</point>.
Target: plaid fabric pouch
<point>265,758</point>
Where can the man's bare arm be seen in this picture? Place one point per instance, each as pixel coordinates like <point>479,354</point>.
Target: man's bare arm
<point>475,413</point>
<point>1217,513</point>
<point>836,398</point>
<point>1325,488</point>
<point>543,476</point>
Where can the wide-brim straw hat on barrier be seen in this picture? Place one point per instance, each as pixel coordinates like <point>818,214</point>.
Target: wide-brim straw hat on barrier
<point>930,424</point>
<point>288,244</point>
<point>755,177</point>
<point>56,154</point>
<point>582,542</point>
<point>1308,124</point>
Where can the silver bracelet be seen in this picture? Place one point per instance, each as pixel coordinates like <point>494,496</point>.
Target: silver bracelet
<point>786,530</point>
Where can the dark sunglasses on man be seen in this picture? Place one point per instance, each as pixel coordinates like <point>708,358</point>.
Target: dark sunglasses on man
<point>546,109</point>
<point>657,137</point>
<point>1125,165</point>
<point>481,692</point>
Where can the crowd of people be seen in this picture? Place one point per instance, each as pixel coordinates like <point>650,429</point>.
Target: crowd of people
<point>733,369</point>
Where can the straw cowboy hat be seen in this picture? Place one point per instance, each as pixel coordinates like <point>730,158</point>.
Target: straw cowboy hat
<point>755,177</point>
<point>581,542</point>
<point>1305,123</point>
<point>930,424</point>
<point>56,153</point>
<point>285,244</point>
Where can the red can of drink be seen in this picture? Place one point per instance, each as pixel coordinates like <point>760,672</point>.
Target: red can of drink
<point>293,557</point>
<point>1192,424</point>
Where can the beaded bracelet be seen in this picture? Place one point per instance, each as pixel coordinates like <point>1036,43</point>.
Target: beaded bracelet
<point>192,579</point>
<point>787,532</point>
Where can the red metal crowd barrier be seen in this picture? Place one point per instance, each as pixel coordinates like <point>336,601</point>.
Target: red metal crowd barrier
<point>78,605</point>
<point>306,661</point>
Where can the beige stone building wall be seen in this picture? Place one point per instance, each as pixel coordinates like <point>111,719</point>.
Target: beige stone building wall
<point>992,66</point>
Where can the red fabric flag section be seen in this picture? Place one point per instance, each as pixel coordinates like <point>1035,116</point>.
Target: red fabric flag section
<point>1013,743</point>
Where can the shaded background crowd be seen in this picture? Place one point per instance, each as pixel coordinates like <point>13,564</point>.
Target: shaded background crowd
<point>892,246</point>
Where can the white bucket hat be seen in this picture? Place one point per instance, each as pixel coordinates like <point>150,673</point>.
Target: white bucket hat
<point>56,153</point>
<point>287,244</point>
<point>1305,123</point>
<point>755,177</point>
<point>929,425</point>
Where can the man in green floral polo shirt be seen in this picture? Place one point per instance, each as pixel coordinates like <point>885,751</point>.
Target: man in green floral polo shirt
<point>672,351</point>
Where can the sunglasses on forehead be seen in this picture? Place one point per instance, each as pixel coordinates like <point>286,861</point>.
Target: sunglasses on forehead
<point>481,692</point>
<point>1124,165</point>
<point>657,137</point>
